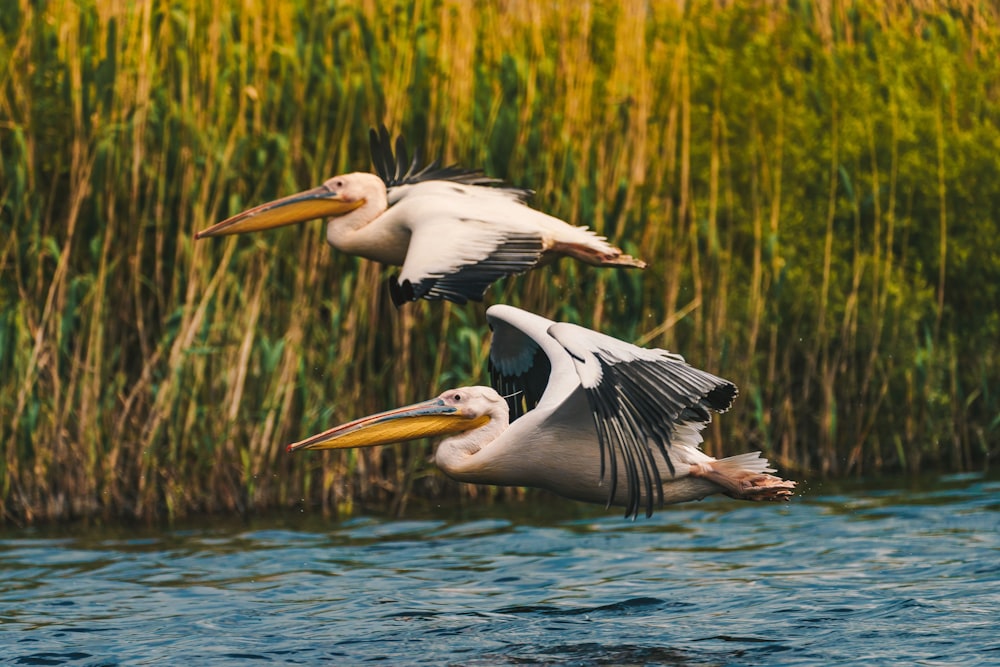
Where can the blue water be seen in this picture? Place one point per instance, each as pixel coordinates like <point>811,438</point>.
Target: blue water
<point>897,573</point>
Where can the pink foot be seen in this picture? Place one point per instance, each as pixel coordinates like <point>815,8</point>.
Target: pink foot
<point>744,484</point>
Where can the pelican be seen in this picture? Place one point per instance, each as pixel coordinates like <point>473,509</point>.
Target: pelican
<point>581,414</point>
<point>453,231</point>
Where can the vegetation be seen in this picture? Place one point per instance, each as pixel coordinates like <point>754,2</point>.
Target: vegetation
<point>813,183</point>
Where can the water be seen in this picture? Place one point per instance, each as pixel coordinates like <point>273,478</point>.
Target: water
<point>904,575</point>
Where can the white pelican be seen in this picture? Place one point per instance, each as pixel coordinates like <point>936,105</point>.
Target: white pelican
<point>592,418</point>
<point>453,231</point>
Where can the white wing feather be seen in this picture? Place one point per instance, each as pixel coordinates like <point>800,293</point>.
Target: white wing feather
<point>481,231</point>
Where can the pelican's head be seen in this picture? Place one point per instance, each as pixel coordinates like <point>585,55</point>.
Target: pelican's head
<point>336,197</point>
<point>454,411</point>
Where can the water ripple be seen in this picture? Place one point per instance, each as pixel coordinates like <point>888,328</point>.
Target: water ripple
<point>858,576</point>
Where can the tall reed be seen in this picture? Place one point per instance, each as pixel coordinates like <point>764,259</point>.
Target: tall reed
<point>813,184</point>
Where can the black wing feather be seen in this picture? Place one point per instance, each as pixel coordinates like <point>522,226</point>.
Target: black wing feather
<point>640,401</point>
<point>394,171</point>
<point>524,390</point>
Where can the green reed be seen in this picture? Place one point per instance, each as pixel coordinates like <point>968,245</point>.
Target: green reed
<point>814,186</point>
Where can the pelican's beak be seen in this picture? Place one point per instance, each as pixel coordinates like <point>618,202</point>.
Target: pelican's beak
<point>320,202</point>
<point>419,420</point>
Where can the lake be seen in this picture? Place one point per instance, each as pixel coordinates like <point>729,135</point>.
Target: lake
<point>886,572</point>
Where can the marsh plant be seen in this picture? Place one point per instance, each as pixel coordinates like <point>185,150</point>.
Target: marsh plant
<point>813,183</point>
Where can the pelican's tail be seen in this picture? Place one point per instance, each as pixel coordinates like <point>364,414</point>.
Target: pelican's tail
<point>746,477</point>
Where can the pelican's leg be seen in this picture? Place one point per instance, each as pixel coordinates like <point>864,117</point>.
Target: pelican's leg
<point>742,483</point>
<point>589,255</point>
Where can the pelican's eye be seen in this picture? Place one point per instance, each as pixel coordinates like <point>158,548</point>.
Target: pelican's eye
<point>457,398</point>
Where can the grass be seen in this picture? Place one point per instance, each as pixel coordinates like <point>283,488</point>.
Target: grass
<point>814,186</point>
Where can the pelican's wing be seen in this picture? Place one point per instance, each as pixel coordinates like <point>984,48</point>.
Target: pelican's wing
<point>458,244</point>
<point>395,169</point>
<point>638,396</point>
<point>519,365</point>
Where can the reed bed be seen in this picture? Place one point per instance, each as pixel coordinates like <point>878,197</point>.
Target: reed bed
<point>814,186</point>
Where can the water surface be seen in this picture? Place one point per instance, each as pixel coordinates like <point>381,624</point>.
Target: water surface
<point>892,574</point>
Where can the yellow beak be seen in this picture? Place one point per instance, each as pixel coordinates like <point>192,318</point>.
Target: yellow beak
<point>320,202</point>
<point>420,420</point>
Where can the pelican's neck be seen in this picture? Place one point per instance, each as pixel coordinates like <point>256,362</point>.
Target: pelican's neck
<point>466,457</point>
<point>341,229</point>
<point>361,232</point>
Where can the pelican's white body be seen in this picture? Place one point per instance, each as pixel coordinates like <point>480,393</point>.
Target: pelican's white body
<point>555,445</point>
<point>433,228</point>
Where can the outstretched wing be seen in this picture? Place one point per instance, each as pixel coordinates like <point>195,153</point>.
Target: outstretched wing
<point>396,170</point>
<point>461,266</point>
<point>520,366</point>
<point>639,396</point>
<point>462,239</point>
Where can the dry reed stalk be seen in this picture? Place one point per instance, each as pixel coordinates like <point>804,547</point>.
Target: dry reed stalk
<point>771,162</point>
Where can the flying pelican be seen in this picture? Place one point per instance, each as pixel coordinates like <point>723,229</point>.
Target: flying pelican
<point>578,413</point>
<point>453,231</point>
